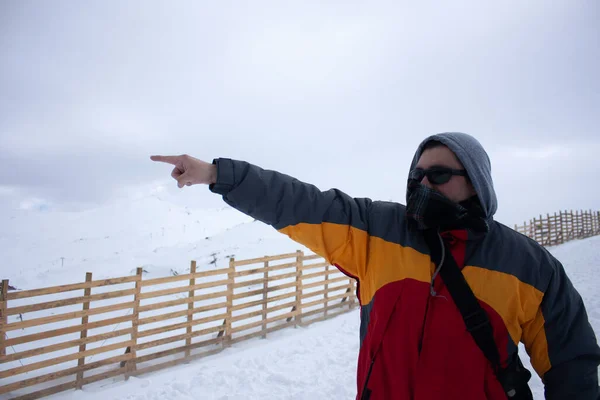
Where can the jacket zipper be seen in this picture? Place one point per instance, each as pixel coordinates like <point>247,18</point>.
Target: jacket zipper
<point>423,325</point>
<point>432,292</point>
<point>366,392</point>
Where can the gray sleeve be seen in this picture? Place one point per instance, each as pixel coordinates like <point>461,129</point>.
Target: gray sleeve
<point>281,200</point>
<point>572,345</point>
<point>330,223</point>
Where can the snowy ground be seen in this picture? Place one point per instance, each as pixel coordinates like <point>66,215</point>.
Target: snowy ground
<point>317,362</point>
<point>153,231</point>
<point>307,363</point>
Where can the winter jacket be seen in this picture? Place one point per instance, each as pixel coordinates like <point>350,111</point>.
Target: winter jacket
<point>413,341</point>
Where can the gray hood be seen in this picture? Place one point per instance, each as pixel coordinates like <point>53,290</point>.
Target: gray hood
<point>475,160</point>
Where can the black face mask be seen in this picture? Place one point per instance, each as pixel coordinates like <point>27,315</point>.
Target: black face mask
<point>429,209</point>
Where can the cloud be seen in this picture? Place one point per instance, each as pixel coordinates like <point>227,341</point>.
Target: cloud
<point>338,94</point>
<point>34,204</point>
<point>7,190</point>
<point>543,152</point>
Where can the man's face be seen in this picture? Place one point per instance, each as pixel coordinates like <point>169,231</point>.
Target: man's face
<point>457,188</point>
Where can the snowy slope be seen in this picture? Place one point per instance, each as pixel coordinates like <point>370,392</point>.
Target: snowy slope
<point>155,232</point>
<point>41,249</point>
<point>152,231</point>
<point>308,363</point>
<point>318,362</point>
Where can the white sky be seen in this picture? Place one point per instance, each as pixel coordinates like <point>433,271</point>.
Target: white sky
<point>337,94</point>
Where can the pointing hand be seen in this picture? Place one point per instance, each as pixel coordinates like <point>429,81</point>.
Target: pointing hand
<point>188,170</point>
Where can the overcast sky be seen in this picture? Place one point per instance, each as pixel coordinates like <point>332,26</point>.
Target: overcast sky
<point>336,93</point>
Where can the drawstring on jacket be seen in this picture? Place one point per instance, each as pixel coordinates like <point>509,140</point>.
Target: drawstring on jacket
<point>439,267</point>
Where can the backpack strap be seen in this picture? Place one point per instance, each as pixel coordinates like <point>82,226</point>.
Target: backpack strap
<point>476,319</point>
<point>514,378</point>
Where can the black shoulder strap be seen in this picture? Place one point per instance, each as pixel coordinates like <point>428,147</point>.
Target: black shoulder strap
<point>476,319</point>
<point>514,378</point>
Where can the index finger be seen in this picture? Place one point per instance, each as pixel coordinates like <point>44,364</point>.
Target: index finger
<point>166,159</point>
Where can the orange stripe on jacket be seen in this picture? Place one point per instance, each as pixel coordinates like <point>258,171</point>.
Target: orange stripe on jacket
<point>521,313</point>
<point>374,261</point>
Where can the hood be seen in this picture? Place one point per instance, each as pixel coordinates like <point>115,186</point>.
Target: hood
<point>476,162</point>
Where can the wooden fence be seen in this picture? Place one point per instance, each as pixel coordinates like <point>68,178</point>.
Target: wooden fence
<point>64,337</point>
<point>130,325</point>
<point>562,227</point>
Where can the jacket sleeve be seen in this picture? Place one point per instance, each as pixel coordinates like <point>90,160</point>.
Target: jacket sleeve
<point>561,342</point>
<point>330,223</point>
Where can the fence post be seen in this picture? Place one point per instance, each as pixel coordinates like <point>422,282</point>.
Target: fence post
<point>230,276</point>
<point>588,224</point>
<point>265,299</point>
<point>571,225</point>
<point>190,315</point>
<point>561,229</point>
<point>84,321</point>
<point>555,240</point>
<point>3,317</point>
<point>298,316</point>
<point>326,289</point>
<point>549,231</point>
<point>131,364</point>
<point>541,230</point>
<point>352,293</point>
<point>554,229</point>
<point>532,231</point>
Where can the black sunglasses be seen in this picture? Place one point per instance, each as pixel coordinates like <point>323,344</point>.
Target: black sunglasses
<point>435,175</point>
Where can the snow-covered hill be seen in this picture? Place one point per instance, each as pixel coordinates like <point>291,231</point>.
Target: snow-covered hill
<point>46,248</point>
<point>155,231</point>
<point>308,363</point>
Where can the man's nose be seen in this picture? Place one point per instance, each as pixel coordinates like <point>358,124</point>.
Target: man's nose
<point>425,182</point>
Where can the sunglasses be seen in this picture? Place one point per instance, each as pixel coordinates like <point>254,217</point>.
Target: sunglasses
<point>435,175</point>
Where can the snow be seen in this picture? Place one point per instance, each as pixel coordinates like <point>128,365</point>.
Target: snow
<point>304,363</point>
<point>52,248</point>
<point>314,362</point>
<point>152,231</point>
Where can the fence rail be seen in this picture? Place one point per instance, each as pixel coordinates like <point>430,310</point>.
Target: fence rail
<point>561,227</point>
<point>64,337</point>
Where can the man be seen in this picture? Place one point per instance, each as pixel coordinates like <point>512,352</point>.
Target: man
<point>414,341</point>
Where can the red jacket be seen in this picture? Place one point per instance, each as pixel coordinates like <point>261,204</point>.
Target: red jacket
<point>419,346</point>
<point>416,344</point>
